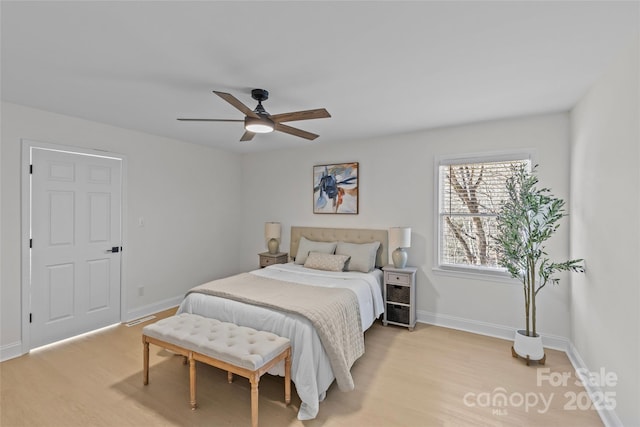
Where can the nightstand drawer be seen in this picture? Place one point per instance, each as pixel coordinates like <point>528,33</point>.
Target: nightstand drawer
<point>267,259</point>
<point>264,261</point>
<point>398,293</point>
<point>397,278</point>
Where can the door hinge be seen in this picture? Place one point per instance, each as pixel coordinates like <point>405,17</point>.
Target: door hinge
<point>31,169</point>
<point>30,243</point>
<point>30,317</point>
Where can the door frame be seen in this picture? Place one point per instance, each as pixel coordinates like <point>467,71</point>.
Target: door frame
<point>25,236</point>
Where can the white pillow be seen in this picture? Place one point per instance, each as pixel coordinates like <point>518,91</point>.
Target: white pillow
<point>305,246</point>
<point>327,262</point>
<point>363,255</point>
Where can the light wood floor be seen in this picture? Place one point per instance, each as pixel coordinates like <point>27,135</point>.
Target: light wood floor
<point>429,377</point>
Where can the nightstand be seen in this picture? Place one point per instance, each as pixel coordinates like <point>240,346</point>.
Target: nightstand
<point>267,258</point>
<point>400,296</point>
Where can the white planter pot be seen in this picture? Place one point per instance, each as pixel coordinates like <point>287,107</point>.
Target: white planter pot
<point>529,348</point>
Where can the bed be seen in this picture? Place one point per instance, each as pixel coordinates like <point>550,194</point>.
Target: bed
<point>314,366</point>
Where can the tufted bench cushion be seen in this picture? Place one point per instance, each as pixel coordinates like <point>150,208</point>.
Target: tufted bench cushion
<point>236,349</point>
<point>237,345</point>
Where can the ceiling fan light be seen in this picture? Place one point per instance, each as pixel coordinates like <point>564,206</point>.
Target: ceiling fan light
<point>258,125</point>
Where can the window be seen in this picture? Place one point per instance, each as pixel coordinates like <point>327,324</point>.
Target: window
<point>471,192</point>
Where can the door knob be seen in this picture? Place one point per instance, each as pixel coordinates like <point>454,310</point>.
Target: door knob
<point>114,249</point>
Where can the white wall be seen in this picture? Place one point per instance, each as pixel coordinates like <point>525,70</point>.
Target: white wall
<point>189,205</point>
<point>605,224</point>
<point>397,188</point>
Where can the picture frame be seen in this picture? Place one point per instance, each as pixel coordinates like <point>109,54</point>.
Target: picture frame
<point>335,188</point>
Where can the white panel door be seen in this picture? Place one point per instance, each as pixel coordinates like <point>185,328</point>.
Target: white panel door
<point>76,240</point>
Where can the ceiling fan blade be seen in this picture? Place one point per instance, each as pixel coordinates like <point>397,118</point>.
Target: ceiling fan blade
<point>319,113</point>
<point>236,103</point>
<point>295,131</point>
<point>247,136</point>
<point>210,120</point>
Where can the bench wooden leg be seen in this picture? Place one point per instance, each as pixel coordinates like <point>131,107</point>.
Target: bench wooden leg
<point>145,361</point>
<point>287,378</point>
<point>229,377</point>
<point>255,379</point>
<point>192,381</point>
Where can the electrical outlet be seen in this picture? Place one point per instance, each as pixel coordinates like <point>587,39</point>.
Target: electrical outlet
<point>140,291</point>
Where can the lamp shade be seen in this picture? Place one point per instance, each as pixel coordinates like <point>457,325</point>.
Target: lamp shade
<point>399,237</point>
<point>272,230</point>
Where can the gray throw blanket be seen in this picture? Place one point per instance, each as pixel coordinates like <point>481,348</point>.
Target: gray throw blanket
<point>334,312</point>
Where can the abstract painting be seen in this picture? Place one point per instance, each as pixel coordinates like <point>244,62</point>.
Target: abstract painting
<point>335,188</point>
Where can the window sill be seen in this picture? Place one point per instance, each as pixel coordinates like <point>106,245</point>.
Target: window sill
<point>473,274</point>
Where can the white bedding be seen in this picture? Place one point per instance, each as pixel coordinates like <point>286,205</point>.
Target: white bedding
<point>310,370</point>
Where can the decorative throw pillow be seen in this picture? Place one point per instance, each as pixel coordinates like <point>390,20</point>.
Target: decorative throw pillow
<point>328,262</point>
<point>305,246</point>
<point>363,255</point>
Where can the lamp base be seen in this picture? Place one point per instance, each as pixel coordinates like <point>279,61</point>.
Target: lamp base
<point>399,257</point>
<point>273,246</point>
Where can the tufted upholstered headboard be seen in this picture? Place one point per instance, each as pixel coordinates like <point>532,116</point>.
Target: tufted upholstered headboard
<point>350,235</point>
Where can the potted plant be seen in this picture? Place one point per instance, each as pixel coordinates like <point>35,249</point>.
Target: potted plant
<point>527,219</point>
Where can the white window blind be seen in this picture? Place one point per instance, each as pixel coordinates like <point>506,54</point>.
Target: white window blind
<point>471,194</point>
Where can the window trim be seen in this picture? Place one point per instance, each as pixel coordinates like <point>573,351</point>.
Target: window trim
<point>470,272</point>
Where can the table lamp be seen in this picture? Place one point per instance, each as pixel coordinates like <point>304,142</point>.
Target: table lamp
<point>399,238</point>
<point>272,232</point>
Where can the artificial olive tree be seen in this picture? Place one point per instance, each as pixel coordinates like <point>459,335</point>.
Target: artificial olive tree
<point>527,219</point>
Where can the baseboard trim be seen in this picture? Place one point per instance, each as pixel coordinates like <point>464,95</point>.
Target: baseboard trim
<point>10,351</point>
<point>484,328</point>
<point>153,308</point>
<point>609,417</point>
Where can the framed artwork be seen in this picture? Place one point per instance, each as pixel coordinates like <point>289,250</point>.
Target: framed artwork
<point>335,188</point>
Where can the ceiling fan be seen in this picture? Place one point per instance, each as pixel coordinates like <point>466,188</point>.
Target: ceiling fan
<point>259,120</point>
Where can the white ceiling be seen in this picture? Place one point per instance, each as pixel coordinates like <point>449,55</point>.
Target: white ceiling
<point>380,68</point>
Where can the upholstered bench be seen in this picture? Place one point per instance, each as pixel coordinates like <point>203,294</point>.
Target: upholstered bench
<point>236,349</point>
